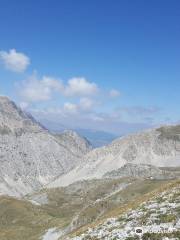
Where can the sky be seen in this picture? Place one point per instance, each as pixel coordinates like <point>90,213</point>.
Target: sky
<point>111,65</point>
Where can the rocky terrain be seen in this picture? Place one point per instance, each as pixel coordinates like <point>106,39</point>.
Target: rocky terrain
<point>156,147</point>
<point>53,184</point>
<point>158,218</point>
<point>30,156</point>
<point>74,142</point>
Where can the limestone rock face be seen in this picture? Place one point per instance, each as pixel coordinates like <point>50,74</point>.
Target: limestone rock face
<point>13,120</point>
<point>155,147</point>
<point>75,142</point>
<point>30,156</point>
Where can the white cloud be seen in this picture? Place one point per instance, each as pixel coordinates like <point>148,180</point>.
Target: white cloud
<point>86,104</point>
<point>114,93</point>
<point>70,108</point>
<point>71,117</point>
<point>83,106</point>
<point>14,61</point>
<point>80,87</point>
<point>34,89</point>
<point>94,117</point>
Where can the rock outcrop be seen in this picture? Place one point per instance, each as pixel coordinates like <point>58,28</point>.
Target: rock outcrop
<point>30,156</point>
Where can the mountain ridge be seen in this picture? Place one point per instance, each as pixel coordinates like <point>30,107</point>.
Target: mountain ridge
<point>30,155</point>
<point>154,147</point>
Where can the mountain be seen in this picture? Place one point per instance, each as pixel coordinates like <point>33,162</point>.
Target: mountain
<point>35,161</point>
<point>157,147</point>
<point>96,137</point>
<point>74,141</point>
<point>30,156</point>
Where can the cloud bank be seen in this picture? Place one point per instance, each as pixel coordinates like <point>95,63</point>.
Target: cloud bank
<point>36,89</point>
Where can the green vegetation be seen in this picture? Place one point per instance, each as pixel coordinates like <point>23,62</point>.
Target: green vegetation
<point>165,218</point>
<point>21,220</point>
<point>160,236</point>
<point>91,200</point>
<point>132,238</point>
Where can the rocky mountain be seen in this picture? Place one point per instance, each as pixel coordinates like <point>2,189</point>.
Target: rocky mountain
<point>30,156</point>
<point>96,137</point>
<point>157,147</point>
<point>34,161</point>
<point>143,171</point>
<point>74,141</point>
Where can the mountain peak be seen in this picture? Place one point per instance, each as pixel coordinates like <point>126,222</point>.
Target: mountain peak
<point>30,155</point>
<point>14,120</point>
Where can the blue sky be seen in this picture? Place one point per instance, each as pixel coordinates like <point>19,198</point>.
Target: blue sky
<point>109,65</point>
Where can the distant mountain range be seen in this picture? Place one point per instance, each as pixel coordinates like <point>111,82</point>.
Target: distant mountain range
<point>32,156</point>
<point>96,137</point>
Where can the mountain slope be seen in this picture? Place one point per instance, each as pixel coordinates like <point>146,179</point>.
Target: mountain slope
<point>52,212</point>
<point>74,142</point>
<point>157,147</point>
<point>154,216</point>
<point>29,155</point>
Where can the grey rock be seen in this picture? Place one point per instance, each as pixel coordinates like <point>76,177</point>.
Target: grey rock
<point>155,147</point>
<point>30,156</point>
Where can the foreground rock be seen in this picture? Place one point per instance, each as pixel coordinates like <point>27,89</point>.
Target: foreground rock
<point>159,218</point>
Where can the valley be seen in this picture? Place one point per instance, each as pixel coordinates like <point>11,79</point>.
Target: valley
<point>56,186</point>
